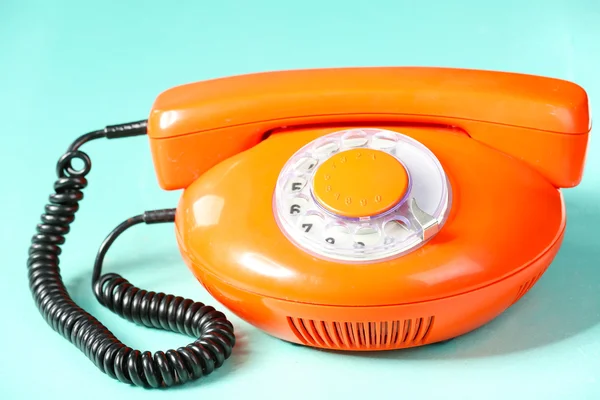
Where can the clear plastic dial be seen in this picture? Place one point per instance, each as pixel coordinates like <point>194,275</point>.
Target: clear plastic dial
<point>410,223</point>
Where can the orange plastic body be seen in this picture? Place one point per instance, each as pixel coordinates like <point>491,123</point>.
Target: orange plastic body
<point>542,121</point>
<point>507,143</point>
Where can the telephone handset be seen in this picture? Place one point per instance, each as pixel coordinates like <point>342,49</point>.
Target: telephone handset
<point>514,113</point>
<point>346,208</point>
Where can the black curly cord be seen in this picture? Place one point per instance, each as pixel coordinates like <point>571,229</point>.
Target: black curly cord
<point>156,310</point>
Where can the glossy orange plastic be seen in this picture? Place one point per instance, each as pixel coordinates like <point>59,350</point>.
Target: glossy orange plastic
<point>506,142</point>
<point>360,183</point>
<point>508,111</point>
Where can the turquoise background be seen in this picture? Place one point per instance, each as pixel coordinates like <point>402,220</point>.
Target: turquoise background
<point>68,67</point>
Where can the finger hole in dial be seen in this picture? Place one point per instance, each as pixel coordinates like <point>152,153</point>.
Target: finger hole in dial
<point>337,235</point>
<point>354,138</point>
<point>396,230</point>
<point>366,236</point>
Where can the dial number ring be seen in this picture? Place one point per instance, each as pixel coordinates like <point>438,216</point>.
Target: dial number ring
<point>385,230</point>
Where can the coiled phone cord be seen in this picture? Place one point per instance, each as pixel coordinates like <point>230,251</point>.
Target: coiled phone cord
<point>215,333</point>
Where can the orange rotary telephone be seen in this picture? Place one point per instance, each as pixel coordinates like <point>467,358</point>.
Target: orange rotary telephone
<point>351,209</point>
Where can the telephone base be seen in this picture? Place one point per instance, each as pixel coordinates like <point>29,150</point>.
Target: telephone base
<point>385,327</point>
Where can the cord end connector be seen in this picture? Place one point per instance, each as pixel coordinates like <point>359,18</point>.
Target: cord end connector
<point>159,216</point>
<point>136,128</point>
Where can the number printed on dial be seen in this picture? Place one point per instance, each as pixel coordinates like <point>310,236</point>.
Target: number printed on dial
<point>297,206</point>
<point>295,185</point>
<point>311,226</point>
<point>338,235</point>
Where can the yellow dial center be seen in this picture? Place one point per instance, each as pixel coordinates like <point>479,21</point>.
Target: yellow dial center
<point>360,183</point>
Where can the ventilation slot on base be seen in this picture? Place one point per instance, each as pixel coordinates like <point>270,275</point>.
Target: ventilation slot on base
<point>362,335</point>
<point>524,288</point>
